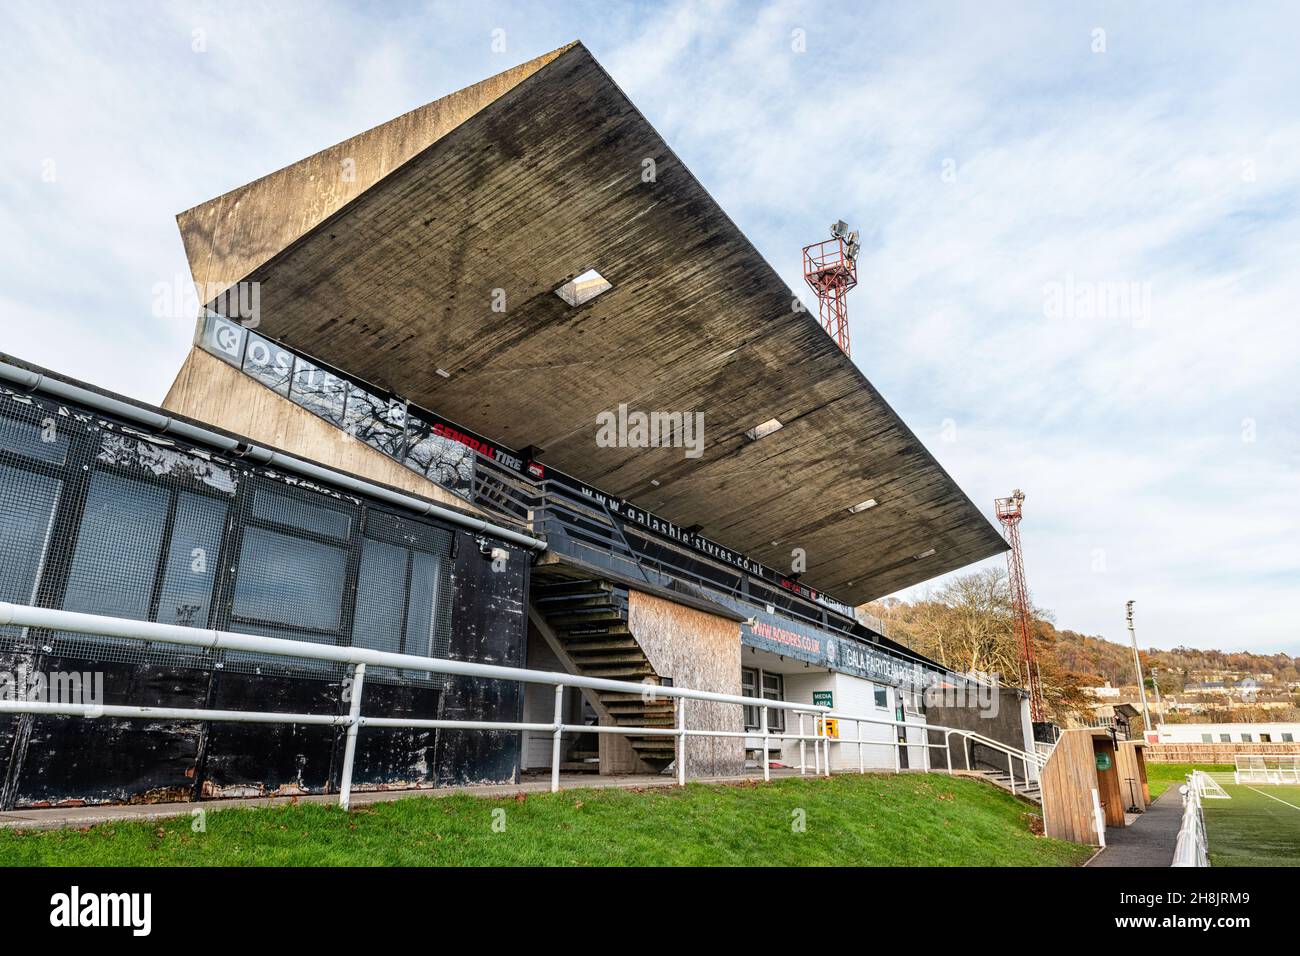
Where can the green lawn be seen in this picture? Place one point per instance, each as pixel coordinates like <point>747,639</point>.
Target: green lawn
<point>1259,826</point>
<point>873,820</point>
<point>1161,776</point>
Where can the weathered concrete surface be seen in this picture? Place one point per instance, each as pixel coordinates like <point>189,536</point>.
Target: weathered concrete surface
<point>545,177</point>
<point>227,237</point>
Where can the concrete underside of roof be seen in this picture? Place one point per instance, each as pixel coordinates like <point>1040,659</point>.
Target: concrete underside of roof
<point>521,183</point>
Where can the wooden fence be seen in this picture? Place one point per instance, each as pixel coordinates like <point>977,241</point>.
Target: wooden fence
<point>1203,753</point>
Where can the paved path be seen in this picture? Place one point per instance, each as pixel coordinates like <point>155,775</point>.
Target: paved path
<point>1150,840</point>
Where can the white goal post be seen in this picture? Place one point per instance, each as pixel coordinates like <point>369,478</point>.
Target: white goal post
<point>1206,787</point>
<point>1271,768</point>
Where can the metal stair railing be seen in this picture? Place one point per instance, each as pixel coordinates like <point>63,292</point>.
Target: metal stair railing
<point>1028,759</point>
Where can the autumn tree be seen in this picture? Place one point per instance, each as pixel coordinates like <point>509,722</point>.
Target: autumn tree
<point>969,625</point>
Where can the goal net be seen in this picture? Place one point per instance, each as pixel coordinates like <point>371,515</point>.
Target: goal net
<point>1207,787</point>
<point>1280,768</point>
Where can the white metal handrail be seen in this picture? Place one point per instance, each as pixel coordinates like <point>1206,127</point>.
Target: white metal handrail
<point>1192,847</point>
<point>1027,758</point>
<point>359,657</point>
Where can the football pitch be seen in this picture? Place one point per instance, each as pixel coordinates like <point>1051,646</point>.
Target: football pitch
<point>1259,826</point>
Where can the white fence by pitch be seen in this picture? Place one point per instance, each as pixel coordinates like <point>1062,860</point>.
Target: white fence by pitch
<point>358,657</point>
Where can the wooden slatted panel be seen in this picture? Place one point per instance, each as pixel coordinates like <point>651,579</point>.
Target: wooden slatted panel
<point>1067,784</point>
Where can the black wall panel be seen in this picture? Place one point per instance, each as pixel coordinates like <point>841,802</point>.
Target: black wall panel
<point>490,624</point>
<point>113,760</point>
<point>106,520</point>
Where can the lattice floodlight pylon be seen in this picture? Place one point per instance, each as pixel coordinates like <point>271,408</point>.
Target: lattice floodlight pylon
<point>831,269</point>
<point>1009,514</point>
<point>1268,769</point>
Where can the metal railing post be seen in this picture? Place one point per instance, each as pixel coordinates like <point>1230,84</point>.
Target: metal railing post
<point>947,750</point>
<point>861,767</point>
<point>898,750</point>
<point>555,738</point>
<point>767,763</point>
<point>826,743</point>
<point>350,747</point>
<point>681,741</point>
<point>803,748</point>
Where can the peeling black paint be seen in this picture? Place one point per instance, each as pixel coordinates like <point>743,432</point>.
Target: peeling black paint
<point>47,761</point>
<point>111,760</point>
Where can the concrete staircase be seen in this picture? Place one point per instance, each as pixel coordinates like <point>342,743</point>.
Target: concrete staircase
<point>589,619</point>
<point>1000,778</point>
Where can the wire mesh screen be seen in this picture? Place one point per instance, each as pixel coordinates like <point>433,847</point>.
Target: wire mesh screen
<point>101,518</point>
<point>388,425</point>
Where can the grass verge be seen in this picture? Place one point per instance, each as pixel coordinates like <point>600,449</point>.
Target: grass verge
<point>871,820</point>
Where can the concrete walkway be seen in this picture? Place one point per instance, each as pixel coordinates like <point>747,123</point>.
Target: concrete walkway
<point>54,818</point>
<point>1150,840</point>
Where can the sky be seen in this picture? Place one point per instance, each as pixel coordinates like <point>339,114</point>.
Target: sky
<point>1080,228</point>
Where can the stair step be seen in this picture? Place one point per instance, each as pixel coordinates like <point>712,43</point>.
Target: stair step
<point>620,644</point>
<point>570,585</point>
<point>586,659</point>
<point>594,632</point>
<point>613,697</point>
<point>638,708</point>
<point>1029,790</point>
<point>585,617</point>
<point>576,594</point>
<point>566,603</point>
<point>619,671</point>
<point>654,745</point>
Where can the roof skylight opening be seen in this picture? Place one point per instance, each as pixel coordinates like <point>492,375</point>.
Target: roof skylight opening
<point>925,554</point>
<point>862,506</point>
<point>764,429</point>
<point>584,288</point>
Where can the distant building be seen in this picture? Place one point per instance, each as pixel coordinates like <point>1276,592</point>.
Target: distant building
<point>1279,733</point>
<point>1209,687</point>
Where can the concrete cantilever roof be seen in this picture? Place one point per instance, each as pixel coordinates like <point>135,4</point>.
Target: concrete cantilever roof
<point>520,183</point>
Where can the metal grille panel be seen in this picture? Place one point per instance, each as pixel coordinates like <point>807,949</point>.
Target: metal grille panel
<point>99,517</point>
